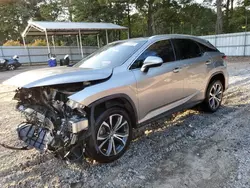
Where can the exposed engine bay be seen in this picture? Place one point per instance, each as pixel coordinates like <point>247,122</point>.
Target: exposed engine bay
<point>53,122</point>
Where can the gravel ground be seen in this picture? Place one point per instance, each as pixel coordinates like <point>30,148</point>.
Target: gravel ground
<point>192,149</point>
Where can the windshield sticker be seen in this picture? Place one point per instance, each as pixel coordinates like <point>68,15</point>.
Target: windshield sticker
<point>130,44</point>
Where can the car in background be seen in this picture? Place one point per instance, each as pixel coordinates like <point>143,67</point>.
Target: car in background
<point>92,107</point>
<point>10,64</point>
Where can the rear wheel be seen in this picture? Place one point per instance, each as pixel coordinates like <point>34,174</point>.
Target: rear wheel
<point>11,67</point>
<point>113,135</point>
<point>214,95</point>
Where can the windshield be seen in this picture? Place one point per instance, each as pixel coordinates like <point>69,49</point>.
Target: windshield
<point>111,55</point>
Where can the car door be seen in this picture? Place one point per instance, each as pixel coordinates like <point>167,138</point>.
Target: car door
<point>159,86</point>
<point>194,67</point>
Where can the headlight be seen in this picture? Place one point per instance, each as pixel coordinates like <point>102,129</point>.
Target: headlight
<point>74,105</point>
<point>2,60</point>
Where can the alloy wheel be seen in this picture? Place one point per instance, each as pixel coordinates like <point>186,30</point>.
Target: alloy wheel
<point>112,135</point>
<point>11,67</point>
<point>215,96</point>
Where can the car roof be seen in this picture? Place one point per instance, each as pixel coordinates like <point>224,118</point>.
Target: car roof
<point>177,36</point>
<point>166,36</point>
<point>172,36</point>
<point>169,36</point>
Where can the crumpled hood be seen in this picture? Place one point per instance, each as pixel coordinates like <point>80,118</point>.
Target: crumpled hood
<point>57,75</point>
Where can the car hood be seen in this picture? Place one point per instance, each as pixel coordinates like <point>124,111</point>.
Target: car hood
<point>57,75</point>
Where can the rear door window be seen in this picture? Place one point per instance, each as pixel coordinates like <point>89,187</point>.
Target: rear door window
<point>186,49</point>
<point>162,49</point>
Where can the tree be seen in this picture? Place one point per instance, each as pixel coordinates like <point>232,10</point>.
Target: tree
<point>197,19</point>
<point>50,10</point>
<point>67,8</point>
<point>88,10</point>
<point>142,17</point>
<point>166,17</point>
<point>219,21</point>
<point>147,7</point>
<point>14,18</point>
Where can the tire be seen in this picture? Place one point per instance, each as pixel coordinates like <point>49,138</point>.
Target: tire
<point>107,136</point>
<point>214,95</point>
<point>11,67</point>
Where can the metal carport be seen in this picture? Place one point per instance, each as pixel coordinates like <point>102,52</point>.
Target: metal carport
<point>41,28</point>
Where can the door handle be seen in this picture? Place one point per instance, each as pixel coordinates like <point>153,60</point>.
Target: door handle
<point>177,69</point>
<point>208,62</point>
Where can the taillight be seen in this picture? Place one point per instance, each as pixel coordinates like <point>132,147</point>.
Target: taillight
<point>224,57</point>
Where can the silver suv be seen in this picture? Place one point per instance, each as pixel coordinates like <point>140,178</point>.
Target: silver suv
<point>90,109</point>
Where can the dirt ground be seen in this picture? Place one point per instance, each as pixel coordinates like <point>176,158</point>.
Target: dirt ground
<point>193,149</point>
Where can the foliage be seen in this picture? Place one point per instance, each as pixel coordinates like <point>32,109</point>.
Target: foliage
<point>14,17</point>
<point>50,10</point>
<point>39,42</point>
<point>197,20</point>
<point>12,43</point>
<point>143,17</point>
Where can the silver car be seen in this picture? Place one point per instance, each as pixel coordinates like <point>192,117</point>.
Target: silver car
<point>90,109</point>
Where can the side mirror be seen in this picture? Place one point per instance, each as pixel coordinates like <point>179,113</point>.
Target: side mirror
<point>151,61</point>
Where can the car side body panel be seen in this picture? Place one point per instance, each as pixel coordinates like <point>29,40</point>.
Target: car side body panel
<point>196,72</point>
<point>158,87</point>
<point>153,95</point>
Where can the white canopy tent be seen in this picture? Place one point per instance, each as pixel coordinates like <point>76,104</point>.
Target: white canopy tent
<point>40,28</point>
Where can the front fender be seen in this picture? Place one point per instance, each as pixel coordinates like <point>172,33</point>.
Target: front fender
<point>120,83</point>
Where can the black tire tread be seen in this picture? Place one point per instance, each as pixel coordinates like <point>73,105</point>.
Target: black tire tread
<point>90,148</point>
<point>205,105</point>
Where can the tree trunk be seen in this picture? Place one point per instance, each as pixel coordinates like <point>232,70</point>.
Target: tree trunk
<point>219,22</point>
<point>226,25</point>
<point>154,30</point>
<point>232,8</point>
<point>232,5</point>
<point>129,20</point>
<point>150,17</point>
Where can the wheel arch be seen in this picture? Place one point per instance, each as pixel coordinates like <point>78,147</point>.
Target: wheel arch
<point>116,100</point>
<point>217,76</point>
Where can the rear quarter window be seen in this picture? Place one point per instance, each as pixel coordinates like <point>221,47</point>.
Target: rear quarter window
<point>209,48</point>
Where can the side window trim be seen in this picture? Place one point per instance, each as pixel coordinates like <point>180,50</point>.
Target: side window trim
<point>144,49</point>
<point>201,51</point>
<point>171,41</point>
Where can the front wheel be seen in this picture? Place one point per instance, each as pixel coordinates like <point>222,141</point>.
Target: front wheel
<point>214,95</point>
<point>113,134</point>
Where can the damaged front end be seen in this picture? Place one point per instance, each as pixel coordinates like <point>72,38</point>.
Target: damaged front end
<point>54,122</point>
